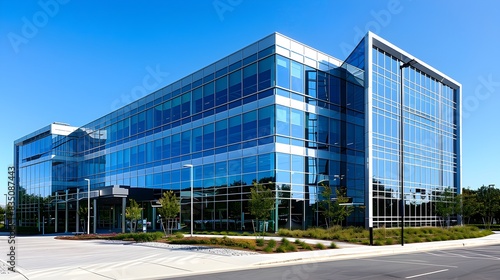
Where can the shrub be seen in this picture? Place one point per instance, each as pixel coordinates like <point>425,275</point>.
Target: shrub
<point>271,243</point>
<point>139,237</point>
<point>333,245</point>
<point>259,241</point>
<point>179,235</point>
<point>268,249</point>
<point>285,241</point>
<point>320,246</point>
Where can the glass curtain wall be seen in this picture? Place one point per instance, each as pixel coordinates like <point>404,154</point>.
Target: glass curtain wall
<point>430,141</point>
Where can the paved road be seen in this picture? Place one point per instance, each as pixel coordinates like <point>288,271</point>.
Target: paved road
<point>45,258</point>
<point>468,263</point>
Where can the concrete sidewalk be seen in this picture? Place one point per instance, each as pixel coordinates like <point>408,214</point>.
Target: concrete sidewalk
<point>44,257</point>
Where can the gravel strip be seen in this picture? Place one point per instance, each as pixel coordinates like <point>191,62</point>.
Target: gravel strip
<point>201,249</point>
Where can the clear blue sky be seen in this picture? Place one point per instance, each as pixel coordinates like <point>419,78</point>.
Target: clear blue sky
<point>73,61</point>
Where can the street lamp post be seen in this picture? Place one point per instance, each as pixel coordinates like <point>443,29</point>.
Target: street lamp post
<point>191,185</point>
<point>88,205</point>
<point>401,143</point>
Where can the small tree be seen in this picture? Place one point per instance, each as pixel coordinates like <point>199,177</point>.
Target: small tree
<point>470,206</point>
<point>170,208</point>
<point>336,210</point>
<point>261,202</point>
<point>82,213</point>
<point>133,213</point>
<point>446,205</point>
<point>489,201</point>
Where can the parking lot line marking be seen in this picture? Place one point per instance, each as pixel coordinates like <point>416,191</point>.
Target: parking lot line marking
<point>428,273</point>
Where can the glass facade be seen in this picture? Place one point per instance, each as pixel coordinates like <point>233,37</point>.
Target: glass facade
<point>277,113</point>
<point>431,141</point>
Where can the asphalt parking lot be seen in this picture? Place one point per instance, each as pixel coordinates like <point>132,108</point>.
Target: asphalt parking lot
<point>43,257</point>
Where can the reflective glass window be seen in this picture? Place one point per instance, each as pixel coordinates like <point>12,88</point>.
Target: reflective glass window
<point>266,121</point>
<point>282,161</point>
<point>250,79</point>
<point>208,96</point>
<point>176,108</point>
<point>208,136</point>
<point>282,72</point>
<point>221,133</point>
<point>282,120</point>
<point>234,131</point>
<point>221,169</point>
<point>176,145</point>
<point>197,145</point>
<point>186,105</point>
<point>334,90</point>
<point>297,72</point>
<point>166,147</point>
<point>249,164</point>
<point>186,142</point>
<point>234,167</point>
<point>221,91</point>
<point>266,162</point>
<point>166,112</point>
<point>234,85</point>
<point>197,100</point>
<point>250,125</point>
<point>266,73</point>
<point>297,123</point>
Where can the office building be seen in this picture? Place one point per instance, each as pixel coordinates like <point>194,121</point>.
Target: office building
<point>277,112</point>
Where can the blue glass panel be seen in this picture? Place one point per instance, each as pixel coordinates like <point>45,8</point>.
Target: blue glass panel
<point>197,136</point>
<point>221,133</point>
<point>249,125</point>
<point>235,66</point>
<point>221,169</point>
<point>297,123</point>
<point>282,161</point>
<point>266,121</point>
<point>250,79</point>
<point>176,145</point>
<point>208,136</point>
<point>266,73</point>
<point>186,142</point>
<point>221,91</point>
<point>186,105</point>
<point>234,167</point>
<point>234,131</point>
<point>282,120</point>
<point>282,72</point>
<point>235,85</point>
<point>249,59</point>
<point>208,96</point>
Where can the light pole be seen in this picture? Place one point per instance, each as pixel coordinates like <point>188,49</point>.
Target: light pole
<point>88,205</point>
<point>401,143</point>
<point>191,185</point>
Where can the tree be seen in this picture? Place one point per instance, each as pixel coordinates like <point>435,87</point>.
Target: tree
<point>261,202</point>
<point>447,204</point>
<point>133,213</point>
<point>82,213</point>
<point>335,210</point>
<point>470,206</point>
<point>170,208</point>
<point>489,201</point>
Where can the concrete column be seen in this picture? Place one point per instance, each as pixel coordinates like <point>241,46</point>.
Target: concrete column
<point>66,212</point>
<point>55,226</point>
<point>124,205</point>
<point>77,209</point>
<point>95,215</point>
